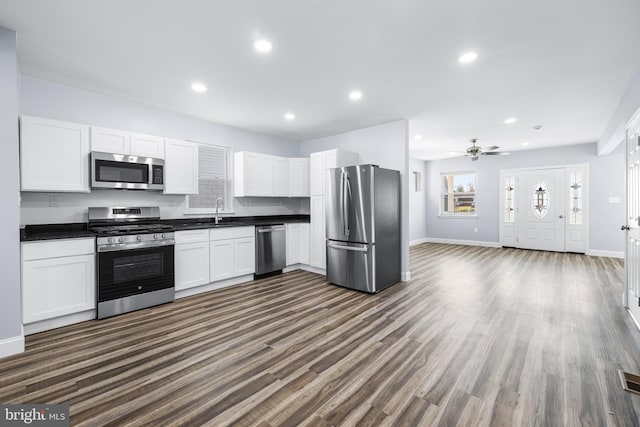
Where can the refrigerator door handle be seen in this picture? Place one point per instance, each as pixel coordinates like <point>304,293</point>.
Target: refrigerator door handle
<point>347,202</point>
<point>347,248</point>
<point>341,198</point>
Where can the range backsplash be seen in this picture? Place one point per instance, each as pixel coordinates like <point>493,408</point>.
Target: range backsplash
<point>53,208</point>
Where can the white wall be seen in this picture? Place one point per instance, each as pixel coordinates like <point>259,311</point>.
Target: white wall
<point>386,146</point>
<point>417,201</point>
<point>614,133</point>
<point>11,340</point>
<point>56,101</point>
<point>607,179</point>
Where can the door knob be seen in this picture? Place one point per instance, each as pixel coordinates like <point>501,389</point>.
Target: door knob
<point>624,227</point>
<point>561,216</point>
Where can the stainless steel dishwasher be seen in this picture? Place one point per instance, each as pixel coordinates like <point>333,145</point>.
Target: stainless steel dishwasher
<point>270,249</point>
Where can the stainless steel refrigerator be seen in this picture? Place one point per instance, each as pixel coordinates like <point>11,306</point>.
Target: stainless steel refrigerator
<point>363,227</point>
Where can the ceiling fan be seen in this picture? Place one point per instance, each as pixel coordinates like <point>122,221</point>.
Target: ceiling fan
<point>474,151</point>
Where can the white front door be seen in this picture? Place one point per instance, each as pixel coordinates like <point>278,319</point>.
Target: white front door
<point>632,251</point>
<point>541,209</point>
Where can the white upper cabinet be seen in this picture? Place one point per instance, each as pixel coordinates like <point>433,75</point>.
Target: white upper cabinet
<point>147,146</point>
<point>54,155</point>
<point>253,174</point>
<point>265,175</point>
<point>280,176</point>
<point>299,177</point>
<point>121,142</point>
<point>181,167</point>
<point>323,160</point>
<point>110,140</point>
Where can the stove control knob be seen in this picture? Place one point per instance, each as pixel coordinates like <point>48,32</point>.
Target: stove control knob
<point>155,237</point>
<point>138,238</point>
<point>164,236</point>
<point>120,239</point>
<point>110,240</point>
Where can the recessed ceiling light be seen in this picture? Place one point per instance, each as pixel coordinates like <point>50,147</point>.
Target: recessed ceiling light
<point>199,87</point>
<point>262,45</point>
<point>355,95</point>
<point>526,143</point>
<point>510,120</point>
<point>468,57</point>
<point>417,137</point>
<point>290,116</point>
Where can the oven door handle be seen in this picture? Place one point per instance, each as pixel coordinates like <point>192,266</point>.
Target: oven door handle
<point>134,245</point>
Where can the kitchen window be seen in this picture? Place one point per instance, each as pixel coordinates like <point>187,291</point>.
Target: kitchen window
<point>458,194</point>
<point>214,180</point>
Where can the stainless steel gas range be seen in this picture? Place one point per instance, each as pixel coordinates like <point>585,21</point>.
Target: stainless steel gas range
<point>135,260</point>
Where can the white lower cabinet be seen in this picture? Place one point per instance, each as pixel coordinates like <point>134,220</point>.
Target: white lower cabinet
<point>244,251</point>
<point>297,243</point>
<point>317,244</point>
<point>222,256</point>
<point>233,252</point>
<point>58,278</point>
<point>191,265</point>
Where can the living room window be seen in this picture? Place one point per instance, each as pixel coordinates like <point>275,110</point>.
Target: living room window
<point>214,180</point>
<point>458,194</point>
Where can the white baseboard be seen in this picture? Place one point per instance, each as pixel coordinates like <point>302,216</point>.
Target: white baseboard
<point>311,269</point>
<point>463,242</point>
<point>405,276</point>
<point>608,254</point>
<point>58,322</point>
<point>418,241</point>
<point>11,346</point>
<point>213,286</point>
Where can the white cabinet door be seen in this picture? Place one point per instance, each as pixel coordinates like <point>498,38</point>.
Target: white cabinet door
<point>304,244</point>
<point>147,146</point>
<point>110,140</point>
<point>191,265</point>
<point>57,286</point>
<point>54,155</point>
<point>244,256</point>
<point>246,176</point>
<point>293,244</point>
<point>316,168</point>
<point>265,175</point>
<point>317,252</point>
<point>299,177</point>
<point>280,176</point>
<point>180,167</point>
<point>221,260</point>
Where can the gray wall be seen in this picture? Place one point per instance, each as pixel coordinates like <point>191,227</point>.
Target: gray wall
<point>386,146</point>
<point>10,303</point>
<point>56,101</point>
<point>614,133</point>
<point>607,179</point>
<point>417,201</point>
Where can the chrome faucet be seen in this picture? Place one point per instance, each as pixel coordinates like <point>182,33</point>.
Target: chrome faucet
<point>217,218</point>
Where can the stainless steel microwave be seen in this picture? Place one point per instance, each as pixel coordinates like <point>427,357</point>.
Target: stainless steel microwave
<point>109,170</point>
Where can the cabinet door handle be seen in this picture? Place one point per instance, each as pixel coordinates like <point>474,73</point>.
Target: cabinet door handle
<point>625,227</point>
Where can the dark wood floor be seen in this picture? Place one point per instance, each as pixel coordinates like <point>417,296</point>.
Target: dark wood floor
<point>479,336</point>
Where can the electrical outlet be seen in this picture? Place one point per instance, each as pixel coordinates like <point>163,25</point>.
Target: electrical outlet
<point>475,229</point>
<point>54,201</point>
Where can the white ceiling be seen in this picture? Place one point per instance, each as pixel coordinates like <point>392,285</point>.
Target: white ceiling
<point>560,64</point>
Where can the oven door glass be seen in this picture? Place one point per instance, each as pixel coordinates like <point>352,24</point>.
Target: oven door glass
<point>134,271</point>
<point>130,173</point>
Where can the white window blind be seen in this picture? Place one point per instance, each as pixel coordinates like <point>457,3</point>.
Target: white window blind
<point>213,178</point>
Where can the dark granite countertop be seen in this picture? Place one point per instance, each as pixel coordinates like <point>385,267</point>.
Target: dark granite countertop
<point>77,230</point>
<point>55,231</point>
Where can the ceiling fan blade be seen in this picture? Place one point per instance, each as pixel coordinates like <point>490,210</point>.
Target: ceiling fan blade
<point>496,153</point>
<point>493,147</point>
